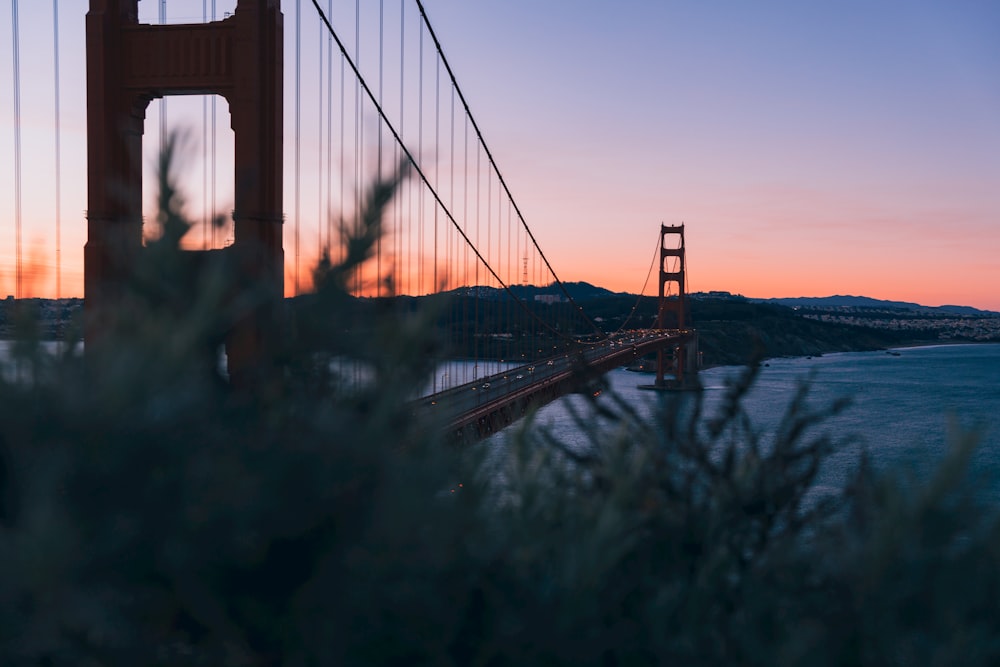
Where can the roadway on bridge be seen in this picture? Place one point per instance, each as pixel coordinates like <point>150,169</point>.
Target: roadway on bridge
<point>460,403</point>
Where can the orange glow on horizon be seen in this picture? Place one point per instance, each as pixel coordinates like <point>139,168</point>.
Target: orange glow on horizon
<point>892,279</point>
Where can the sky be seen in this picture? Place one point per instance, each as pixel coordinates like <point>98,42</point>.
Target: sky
<point>809,149</point>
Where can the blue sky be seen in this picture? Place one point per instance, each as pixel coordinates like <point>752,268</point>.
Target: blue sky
<point>810,148</point>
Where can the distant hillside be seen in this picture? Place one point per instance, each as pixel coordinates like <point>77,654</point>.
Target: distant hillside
<point>845,301</point>
<point>735,332</point>
<point>582,291</point>
<point>579,291</point>
<point>732,329</point>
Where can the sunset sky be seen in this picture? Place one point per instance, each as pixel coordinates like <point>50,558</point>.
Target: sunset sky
<point>810,148</point>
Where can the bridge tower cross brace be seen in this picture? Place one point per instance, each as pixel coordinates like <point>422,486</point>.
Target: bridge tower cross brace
<point>673,311</point>
<point>128,65</point>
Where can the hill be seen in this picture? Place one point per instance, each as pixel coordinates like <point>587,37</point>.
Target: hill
<point>733,332</point>
<point>578,291</point>
<point>846,301</point>
<point>732,329</point>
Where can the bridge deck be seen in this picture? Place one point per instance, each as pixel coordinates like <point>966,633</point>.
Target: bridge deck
<point>475,410</point>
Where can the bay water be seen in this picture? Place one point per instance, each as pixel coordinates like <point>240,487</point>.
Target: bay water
<point>906,406</point>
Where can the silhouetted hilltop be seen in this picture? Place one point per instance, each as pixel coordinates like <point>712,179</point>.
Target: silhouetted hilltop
<point>578,291</point>
<point>844,301</point>
<point>735,332</point>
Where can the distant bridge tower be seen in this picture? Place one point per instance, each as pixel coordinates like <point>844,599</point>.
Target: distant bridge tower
<point>128,65</point>
<point>673,313</point>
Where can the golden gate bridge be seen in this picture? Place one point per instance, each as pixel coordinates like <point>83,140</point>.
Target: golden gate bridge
<point>381,93</point>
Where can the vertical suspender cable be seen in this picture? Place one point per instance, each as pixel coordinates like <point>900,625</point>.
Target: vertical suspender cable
<point>403,253</point>
<point>524,277</point>
<point>478,207</point>
<point>397,239</point>
<point>511,274</point>
<point>343,162</point>
<point>213,205</point>
<point>500,245</point>
<point>18,276</point>
<point>58,184</point>
<point>451,255</point>
<point>329,136</point>
<point>465,224</point>
<point>475,369</point>
<point>206,218</point>
<point>488,326</point>
<point>489,218</point>
<point>452,258</point>
<point>437,164</point>
<point>319,152</point>
<point>511,271</point>
<point>358,138</point>
<point>499,231</point>
<point>359,131</point>
<point>298,137</point>
<point>381,56</point>
<point>420,152</point>
<point>500,310</point>
<point>163,100</point>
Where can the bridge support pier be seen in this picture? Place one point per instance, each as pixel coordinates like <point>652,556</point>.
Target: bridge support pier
<point>128,65</point>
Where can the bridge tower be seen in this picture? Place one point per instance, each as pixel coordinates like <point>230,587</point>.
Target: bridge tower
<point>128,65</point>
<point>673,313</point>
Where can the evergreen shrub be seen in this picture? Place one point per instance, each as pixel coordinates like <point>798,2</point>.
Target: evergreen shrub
<point>151,515</point>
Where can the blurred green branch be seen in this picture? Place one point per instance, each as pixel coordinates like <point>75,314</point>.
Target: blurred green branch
<point>150,516</point>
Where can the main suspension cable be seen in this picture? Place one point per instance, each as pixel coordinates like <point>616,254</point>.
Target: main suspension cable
<point>496,169</point>
<point>642,292</point>
<point>426,181</point>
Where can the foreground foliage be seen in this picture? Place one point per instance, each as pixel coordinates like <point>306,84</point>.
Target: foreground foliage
<point>151,516</point>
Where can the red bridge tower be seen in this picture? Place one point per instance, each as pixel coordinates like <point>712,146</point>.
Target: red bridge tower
<point>673,314</point>
<point>128,65</point>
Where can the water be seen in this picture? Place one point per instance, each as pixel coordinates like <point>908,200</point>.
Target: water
<point>902,403</point>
